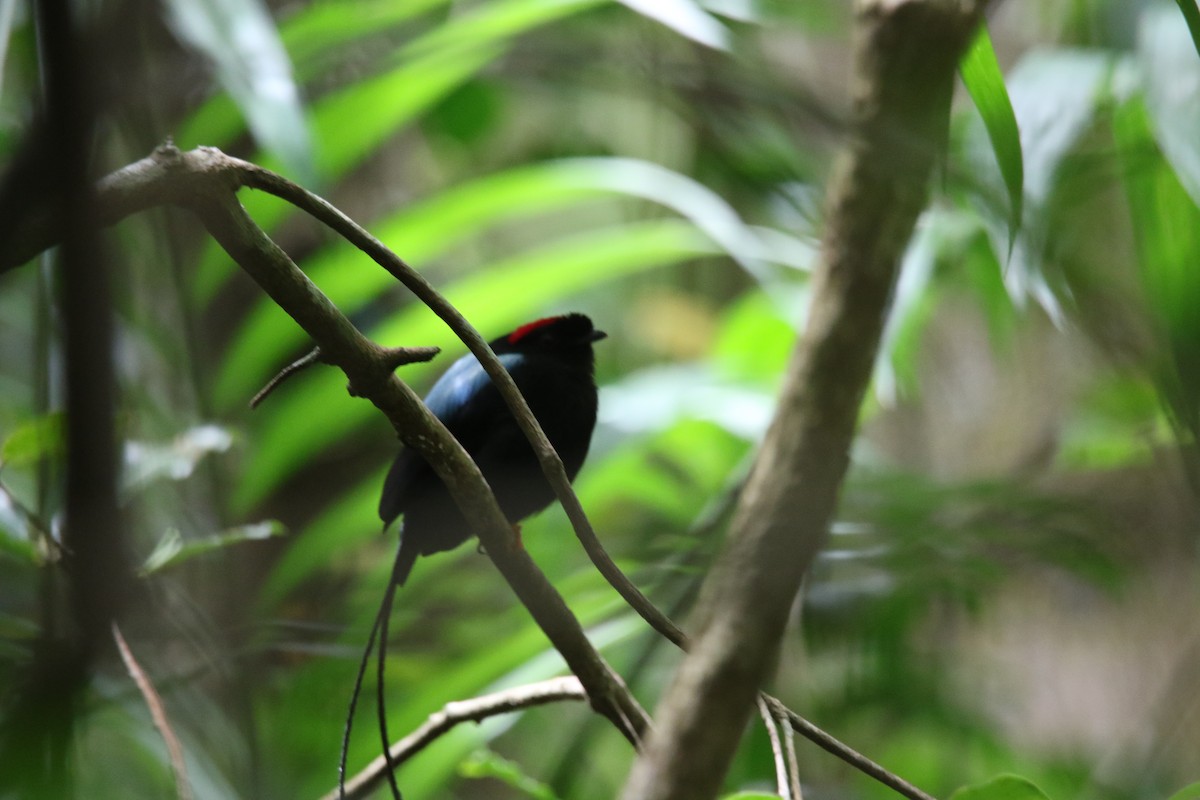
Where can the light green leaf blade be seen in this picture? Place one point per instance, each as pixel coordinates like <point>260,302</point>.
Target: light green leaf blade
<point>349,124</point>
<point>240,38</point>
<point>1055,96</point>
<point>1191,14</point>
<point>1002,787</point>
<point>985,83</point>
<point>483,763</point>
<point>42,437</point>
<point>1191,792</point>
<point>1168,58</point>
<point>686,18</point>
<point>146,462</point>
<point>1166,222</point>
<point>172,549</point>
<point>320,27</point>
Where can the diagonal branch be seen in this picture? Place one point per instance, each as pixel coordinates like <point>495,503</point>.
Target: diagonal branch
<point>158,713</point>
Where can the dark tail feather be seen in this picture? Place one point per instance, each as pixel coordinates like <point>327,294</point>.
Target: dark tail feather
<point>405,558</point>
<point>358,679</point>
<point>380,701</point>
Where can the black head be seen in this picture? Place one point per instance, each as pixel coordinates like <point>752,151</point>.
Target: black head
<point>565,335</point>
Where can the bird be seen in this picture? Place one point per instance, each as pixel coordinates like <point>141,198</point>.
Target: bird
<point>552,362</point>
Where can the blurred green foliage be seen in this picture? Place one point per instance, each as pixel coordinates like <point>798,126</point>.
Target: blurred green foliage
<point>1011,583</point>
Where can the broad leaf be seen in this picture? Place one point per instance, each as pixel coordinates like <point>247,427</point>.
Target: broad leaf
<point>1003,787</point>
<point>985,83</point>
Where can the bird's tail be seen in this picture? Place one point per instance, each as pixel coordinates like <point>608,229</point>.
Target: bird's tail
<point>405,558</point>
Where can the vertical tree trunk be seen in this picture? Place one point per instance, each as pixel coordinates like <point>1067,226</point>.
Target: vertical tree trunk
<point>906,55</point>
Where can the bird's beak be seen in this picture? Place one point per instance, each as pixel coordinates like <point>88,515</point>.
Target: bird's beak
<point>597,336</point>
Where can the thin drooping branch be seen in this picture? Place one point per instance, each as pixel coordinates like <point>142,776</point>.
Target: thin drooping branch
<point>789,749</point>
<point>782,784</point>
<point>158,713</point>
<point>905,58</point>
<point>474,710</point>
<point>841,751</point>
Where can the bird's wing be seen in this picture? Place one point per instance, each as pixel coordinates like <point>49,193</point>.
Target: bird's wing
<point>467,403</point>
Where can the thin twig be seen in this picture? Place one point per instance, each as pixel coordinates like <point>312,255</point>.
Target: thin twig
<point>384,608</point>
<point>183,787</point>
<point>789,750</point>
<point>781,764</point>
<point>307,360</point>
<point>847,753</point>
<point>380,694</point>
<point>474,710</point>
<point>392,358</point>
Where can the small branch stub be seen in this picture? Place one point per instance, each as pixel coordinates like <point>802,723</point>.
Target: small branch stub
<point>390,359</point>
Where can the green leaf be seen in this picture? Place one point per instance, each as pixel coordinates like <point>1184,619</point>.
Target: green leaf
<point>347,526</point>
<point>1003,787</point>
<point>320,27</point>
<point>757,336</point>
<point>43,437</point>
<point>686,18</point>
<point>1166,225</point>
<point>1167,56</point>
<point>350,124</point>
<point>653,398</point>
<point>483,763</point>
<point>1191,792</point>
<point>1054,95</point>
<point>146,462</point>
<point>13,544</point>
<point>379,107</point>
<point>985,83</point>
<point>240,38</point>
<point>172,550</point>
<point>1191,15</point>
<point>751,796</point>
